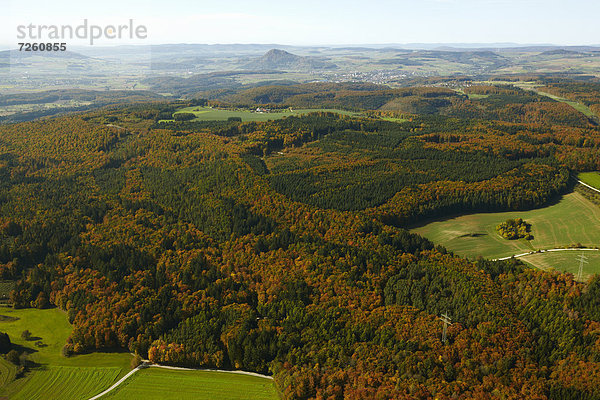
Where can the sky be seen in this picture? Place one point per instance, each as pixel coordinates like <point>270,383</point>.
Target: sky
<point>312,22</point>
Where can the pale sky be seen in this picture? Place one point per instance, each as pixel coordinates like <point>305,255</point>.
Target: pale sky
<point>312,22</point>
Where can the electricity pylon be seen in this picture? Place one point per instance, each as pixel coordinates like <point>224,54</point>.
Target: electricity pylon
<point>447,321</point>
<point>582,260</point>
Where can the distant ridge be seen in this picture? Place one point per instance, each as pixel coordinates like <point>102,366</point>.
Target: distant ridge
<point>560,52</point>
<point>256,49</point>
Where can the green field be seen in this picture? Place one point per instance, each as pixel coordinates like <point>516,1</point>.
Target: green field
<point>67,383</point>
<point>217,114</point>
<point>574,219</point>
<point>473,96</point>
<point>591,178</point>
<point>54,376</point>
<point>566,261</point>
<point>582,108</point>
<point>51,328</point>
<point>164,384</point>
<point>392,119</point>
<point>578,106</point>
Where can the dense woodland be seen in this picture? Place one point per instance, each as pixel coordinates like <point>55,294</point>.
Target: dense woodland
<point>281,247</point>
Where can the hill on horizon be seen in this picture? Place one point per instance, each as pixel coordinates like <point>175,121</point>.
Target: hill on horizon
<point>276,59</point>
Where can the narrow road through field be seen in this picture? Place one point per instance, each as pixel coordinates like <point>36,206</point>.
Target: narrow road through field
<point>210,370</point>
<point>542,251</point>
<point>589,187</point>
<point>123,379</point>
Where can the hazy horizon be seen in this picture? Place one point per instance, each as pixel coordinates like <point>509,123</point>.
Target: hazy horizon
<point>408,46</point>
<point>314,24</point>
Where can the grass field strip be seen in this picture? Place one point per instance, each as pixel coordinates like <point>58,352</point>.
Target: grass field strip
<point>588,186</point>
<point>582,108</point>
<point>147,365</point>
<point>116,384</point>
<point>541,251</point>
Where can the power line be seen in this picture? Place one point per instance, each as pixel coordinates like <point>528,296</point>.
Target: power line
<point>582,260</point>
<point>447,321</point>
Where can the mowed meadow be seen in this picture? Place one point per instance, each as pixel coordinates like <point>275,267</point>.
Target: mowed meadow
<point>166,384</point>
<point>67,383</point>
<point>573,220</point>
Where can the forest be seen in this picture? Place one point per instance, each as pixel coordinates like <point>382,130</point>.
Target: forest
<point>281,247</point>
